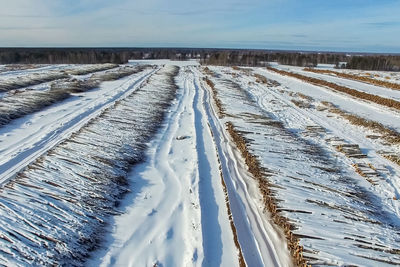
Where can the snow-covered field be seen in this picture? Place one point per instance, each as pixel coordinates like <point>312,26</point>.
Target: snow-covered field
<point>175,164</point>
<point>378,75</point>
<point>361,86</point>
<point>342,217</point>
<point>388,76</point>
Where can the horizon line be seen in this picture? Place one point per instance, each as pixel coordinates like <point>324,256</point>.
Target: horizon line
<point>199,48</point>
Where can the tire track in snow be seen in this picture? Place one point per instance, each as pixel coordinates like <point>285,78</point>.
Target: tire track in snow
<point>211,229</point>
<point>159,228</point>
<point>260,243</point>
<point>162,221</point>
<point>170,223</point>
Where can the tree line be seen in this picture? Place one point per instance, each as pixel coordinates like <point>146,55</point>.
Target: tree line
<point>210,56</point>
<point>389,63</point>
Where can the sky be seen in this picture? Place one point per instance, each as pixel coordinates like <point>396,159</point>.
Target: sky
<point>326,25</point>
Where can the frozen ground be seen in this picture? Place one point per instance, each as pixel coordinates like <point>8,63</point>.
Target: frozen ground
<point>142,171</point>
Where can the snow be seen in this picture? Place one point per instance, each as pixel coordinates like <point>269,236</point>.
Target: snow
<point>393,77</point>
<point>362,108</point>
<point>360,86</point>
<point>181,63</point>
<point>318,187</point>
<point>326,66</point>
<point>25,139</point>
<point>135,174</point>
<point>36,70</point>
<point>180,217</point>
<point>261,243</point>
<point>54,210</point>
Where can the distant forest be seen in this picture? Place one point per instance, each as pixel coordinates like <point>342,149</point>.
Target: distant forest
<point>206,56</point>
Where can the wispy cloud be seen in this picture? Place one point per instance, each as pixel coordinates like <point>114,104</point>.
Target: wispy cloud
<point>383,24</point>
<point>22,28</point>
<point>311,24</point>
<point>25,16</point>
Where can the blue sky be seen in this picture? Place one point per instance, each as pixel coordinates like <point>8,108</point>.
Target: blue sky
<point>335,25</point>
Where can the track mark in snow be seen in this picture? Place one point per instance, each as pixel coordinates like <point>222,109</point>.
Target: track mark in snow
<point>311,178</point>
<point>211,229</point>
<point>260,243</point>
<point>182,191</point>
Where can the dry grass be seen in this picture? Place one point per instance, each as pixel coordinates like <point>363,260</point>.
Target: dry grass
<point>352,92</point>
<point>20,82</point>
<point>262,79</point>
<point>305,97</point>
<point>386,84</point>
<point>26,102</point>
<point>14,67</point>
<point>74,85</point>
<point>301,104</point>
<point>270,202</point>
<point>91,69</point>
<point>23,102</point>
<point>209,72</point>
<point>119,73</point>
